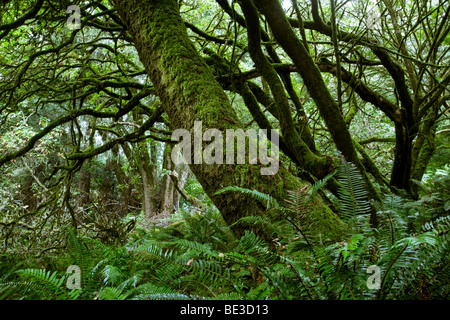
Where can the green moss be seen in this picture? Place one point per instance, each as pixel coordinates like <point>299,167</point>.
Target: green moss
<point>189,92</point>
<point>327,226</point>
<point>323,222</point>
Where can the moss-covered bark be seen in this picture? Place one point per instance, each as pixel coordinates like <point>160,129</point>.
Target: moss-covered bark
<point>303,154</point>
<point>424,147</point>
<point>189,92</point>
<point>310,73</point>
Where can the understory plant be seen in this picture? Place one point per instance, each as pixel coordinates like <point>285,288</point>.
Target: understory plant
<point>406,256</point>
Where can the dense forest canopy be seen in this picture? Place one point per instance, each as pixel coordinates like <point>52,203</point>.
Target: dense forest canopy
<point>354,95</point>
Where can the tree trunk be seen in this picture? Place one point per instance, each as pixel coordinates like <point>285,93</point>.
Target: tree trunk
<point>84,187</point>
<point>146,160</point>
<point>424,147</point>
<point>401,170</point>
<point>183,174</point>
<point>189,92</point>
<point>168,188</point>
<point>328,108</point>
<point>106,189</point>
<point>149,181</point>
<point>28,194</point>
<point>124,181</point>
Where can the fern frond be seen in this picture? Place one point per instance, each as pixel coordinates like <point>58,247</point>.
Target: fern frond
<point>264,222</point>
<point>47,284</point>
<point>112,275</point>
<point>165,296</point>
<point>319,185</point>
<point>441,226</point>
<point>353,195</point>
<point>111,293</point>
<point>264,198</point>
<point>195,247</point>
<point>81,254</point>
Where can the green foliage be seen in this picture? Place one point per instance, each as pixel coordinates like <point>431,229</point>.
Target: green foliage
<point>353,196</point>
<point>319,185</point>
<point>196,257</point>
<point>269,201</point>
<point>65,93</point>
<point>39,283</point>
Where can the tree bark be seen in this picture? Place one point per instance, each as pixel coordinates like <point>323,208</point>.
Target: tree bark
<point>149,181</point>
<point>183,173</point>
<point>310,73</point>
<point>84,187</point>
<point>189,92</point>
<point>423,149</point>
<point>125,191</point>
<point>168,188</point>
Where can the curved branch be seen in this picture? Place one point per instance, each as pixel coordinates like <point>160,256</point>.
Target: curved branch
<point>69,117</point>
<point>31,14</point>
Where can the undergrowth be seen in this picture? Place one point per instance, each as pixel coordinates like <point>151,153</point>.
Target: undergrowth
<point>198,257</point>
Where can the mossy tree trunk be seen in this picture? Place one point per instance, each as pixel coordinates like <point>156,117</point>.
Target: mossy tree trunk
<point>424,148</point>
<point>84,187</point>
<point>189,92</point>
<point>150,182</point>
<point>168,188</point>
<point>125,189</point>
<point>144,157</point>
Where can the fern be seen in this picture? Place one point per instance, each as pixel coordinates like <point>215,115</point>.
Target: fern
<point>43,284</point>
<point>265,222</point>
<point>319,185</point>
<point>112,293</point>
<point>112,275</point>
<point>441,226</point>
<point>296,209</point>
<point>165,296</point>
<point>177,262</point>
<point>171,265</point>
<point>81,255</point>
<point>353,195</point>
<point>266,199</point>
<point>429,271</point>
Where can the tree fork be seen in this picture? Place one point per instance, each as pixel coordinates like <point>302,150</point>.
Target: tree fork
<point>308,70</point>
<point>188,90</point>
